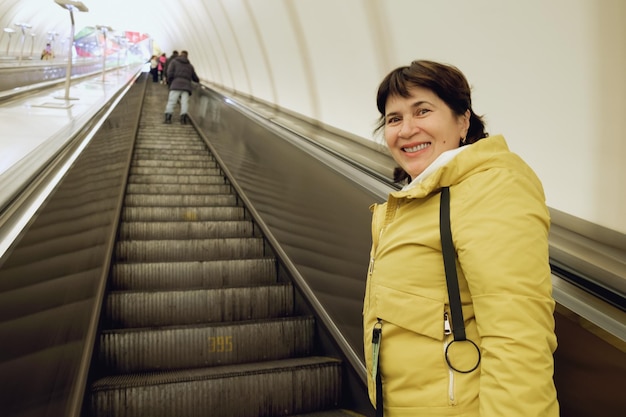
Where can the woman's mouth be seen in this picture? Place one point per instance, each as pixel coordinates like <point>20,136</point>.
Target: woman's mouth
<point>416,148</point>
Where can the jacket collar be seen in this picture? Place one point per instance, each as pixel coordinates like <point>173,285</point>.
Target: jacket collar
<point>440,161</point>
<point>453,166</point>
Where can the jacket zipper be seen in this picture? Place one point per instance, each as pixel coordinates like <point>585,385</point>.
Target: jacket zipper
<point>371,267</point>
<point>376,339</point>
<point>447,331</point>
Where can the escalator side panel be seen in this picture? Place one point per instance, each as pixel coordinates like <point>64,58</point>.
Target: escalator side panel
<point>590,368</point>
<point>50,278</point>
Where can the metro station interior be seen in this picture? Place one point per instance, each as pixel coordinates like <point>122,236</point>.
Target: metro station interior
<point>218,267</point>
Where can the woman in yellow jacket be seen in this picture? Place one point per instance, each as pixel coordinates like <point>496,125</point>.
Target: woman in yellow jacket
<point>499,224</point>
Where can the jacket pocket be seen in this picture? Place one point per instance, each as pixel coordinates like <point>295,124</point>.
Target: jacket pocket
<point>413,367</point>
<point>412,312</point>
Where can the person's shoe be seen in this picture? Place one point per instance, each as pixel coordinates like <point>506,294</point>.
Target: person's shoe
<point>183,119</point>
<point>168,118</point>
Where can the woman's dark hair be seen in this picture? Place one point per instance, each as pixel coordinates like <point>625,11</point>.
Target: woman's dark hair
<point>446,81</point>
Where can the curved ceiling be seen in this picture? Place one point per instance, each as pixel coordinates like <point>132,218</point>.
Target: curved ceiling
<point>548,75</point>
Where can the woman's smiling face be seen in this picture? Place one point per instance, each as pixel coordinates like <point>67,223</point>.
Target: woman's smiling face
<point>421,127</point>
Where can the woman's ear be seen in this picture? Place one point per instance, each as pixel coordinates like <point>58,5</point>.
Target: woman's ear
<point>465,123</point>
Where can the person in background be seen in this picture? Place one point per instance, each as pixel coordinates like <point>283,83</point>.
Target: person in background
<point>47,52</point>
<point>154,68</point>
<point>499,225</point>
<point>170,59</point>
<point>180,74</point>
<point>161,67</point>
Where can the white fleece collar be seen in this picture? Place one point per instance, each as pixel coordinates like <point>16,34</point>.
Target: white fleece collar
<point>440,161</point>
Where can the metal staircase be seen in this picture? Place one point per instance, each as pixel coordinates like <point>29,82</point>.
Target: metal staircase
<point>197,321</point>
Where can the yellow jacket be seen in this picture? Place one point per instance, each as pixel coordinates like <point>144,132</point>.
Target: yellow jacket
<point>500,225</point>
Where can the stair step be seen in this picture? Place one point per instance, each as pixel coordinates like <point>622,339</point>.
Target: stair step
<point>189,250</point>
<point>173,200</point>
<point>134,214</point>
<point>176,179</point>
<point>266,389</point>
<point>178,189</point>
<point>204,274</point>
<point>161,170</point>
<point>329,413</point>
<point>185,230</point>
<point>151,163</point>
<point>213,344</point>
<point>179,307</point>
<point>164,146</point>
<point>185,151</point>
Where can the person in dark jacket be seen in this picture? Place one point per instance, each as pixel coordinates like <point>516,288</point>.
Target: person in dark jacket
<point>170,59</point>
<point>180,73</point>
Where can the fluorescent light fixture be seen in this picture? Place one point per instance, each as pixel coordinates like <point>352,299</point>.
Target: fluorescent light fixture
<point>104,29</point>
<point>72,5</point>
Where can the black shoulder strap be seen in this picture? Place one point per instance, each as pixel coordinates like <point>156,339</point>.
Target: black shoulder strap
<point>449,262</point>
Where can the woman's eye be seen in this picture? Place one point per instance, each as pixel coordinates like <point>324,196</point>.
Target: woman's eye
<point>392,119</point>
<point>421,112</point>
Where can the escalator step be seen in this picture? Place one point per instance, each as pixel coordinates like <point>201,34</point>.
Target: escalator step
<point>165,200</point>
<point>208,163</point>
<point>188,250</point>
<point>176,179</point>
<point>266,389</point>
<point>205,274</point>
<point>178,189</point>
<point>185,230</point>
<point>329,413</point>
<point>167,308</point>
<point>185,152</point>
<point>161,170</point>
<point>133,214</point>
<point>213,344</point>
<point>165,146</point>
<point>156,155</point>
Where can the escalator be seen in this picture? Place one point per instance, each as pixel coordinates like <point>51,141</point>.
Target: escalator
<point>208,308</point>
<point>197,319</point>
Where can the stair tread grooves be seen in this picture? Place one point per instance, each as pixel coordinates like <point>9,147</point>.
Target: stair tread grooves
<point>260,258</point>
<point>190,241</point>
<point>338,412</point>
<point>139,195</point>
<point>172,189</point>
<point>203,274</point>
<point>176,222</point>
<point>191,290</point>
<point>183,327</point>
<point>214,372</point>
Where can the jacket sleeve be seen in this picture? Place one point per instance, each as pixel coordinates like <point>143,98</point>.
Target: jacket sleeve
<point>171,68</point>
<point>500,227</point>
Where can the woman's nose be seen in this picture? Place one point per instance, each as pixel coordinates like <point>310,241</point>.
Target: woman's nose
<point>408,128</point>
